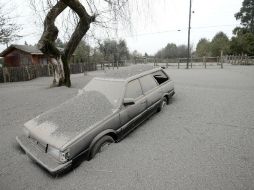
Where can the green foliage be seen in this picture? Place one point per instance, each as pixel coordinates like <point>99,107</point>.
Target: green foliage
<point>95,56</point>
<point>82,52</point>
<point>203,48</point>
<point>135,54</point>
<point>123,52</point>
<point>242,44</point>
<point>114,51</point>
<point>246,16</point>
<point>172,51</point>
<point>220,42</point>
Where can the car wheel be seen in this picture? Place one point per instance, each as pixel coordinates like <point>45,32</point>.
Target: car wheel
<point>100,144</point>
<point>163,104</point>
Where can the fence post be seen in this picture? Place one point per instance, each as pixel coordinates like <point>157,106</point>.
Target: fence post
<point>5,74</point>
<point>28,74</point>
<point>85,72</point>
<point>204,60</point>
<point>48,69</point>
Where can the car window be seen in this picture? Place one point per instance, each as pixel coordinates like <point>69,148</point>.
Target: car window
<point>160,77</point>
<point>133,89</point>
<point>148,83</point>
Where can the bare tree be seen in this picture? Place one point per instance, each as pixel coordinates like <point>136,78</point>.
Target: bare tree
<point>85,13</point>
<point>8,29</point>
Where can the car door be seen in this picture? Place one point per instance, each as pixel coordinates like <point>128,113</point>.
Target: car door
<point>152,92</point>
<point>131,115</point>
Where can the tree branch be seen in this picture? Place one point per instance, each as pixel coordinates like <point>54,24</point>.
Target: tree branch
<point>50,33</point>
<point>82,27</point>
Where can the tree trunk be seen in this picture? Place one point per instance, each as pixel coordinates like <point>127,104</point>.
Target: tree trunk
<point>67,79</point>
<point>46,44</point>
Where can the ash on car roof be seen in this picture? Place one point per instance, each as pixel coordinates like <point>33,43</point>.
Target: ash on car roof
<point>127,72</point>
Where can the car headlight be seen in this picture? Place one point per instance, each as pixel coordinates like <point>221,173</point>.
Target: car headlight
<point>57,154</point>
<point>26,131</point>
<point>53,152</point>
<point>64,156</point>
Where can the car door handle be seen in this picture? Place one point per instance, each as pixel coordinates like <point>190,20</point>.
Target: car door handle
<point>143,102</point>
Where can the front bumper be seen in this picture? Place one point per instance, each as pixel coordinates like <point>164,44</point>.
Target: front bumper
<point>42,158</point>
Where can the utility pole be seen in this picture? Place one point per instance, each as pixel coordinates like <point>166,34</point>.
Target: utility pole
<point>188,55</point>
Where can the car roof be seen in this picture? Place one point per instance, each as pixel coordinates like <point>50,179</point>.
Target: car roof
<point>129,73</point>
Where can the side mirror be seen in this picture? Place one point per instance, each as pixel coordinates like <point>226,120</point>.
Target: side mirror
<point>128,101</point>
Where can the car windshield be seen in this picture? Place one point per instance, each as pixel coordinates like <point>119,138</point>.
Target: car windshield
<point>111,89</point>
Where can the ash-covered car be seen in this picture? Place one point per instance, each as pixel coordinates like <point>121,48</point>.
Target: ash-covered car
<point>103,112</point>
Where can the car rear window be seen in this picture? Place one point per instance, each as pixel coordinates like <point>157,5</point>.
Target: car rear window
<point>160,77</point>
<point>133,89</point>
<point>148,83</point>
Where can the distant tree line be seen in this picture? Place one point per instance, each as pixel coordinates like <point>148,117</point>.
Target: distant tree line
<point>220,42</point>
<point>172,51</point>
<point>241,43</point>
<point>107,50</point>
<point>114,51</point>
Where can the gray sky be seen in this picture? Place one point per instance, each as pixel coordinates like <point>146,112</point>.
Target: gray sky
<point>155,27</point>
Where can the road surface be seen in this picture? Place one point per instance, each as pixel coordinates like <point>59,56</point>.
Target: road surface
<point>203,140</point>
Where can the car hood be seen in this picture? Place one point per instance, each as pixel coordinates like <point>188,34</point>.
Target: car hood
<point>61,124</point>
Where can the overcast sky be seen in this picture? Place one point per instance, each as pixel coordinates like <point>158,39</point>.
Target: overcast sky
<point>164,21</point>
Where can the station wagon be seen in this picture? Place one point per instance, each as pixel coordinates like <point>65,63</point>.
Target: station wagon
<point>104,111</point>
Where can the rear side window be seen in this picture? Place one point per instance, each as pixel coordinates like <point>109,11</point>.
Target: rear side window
<point>148,83</point>
<point>160,77</point>
<point>133,89</point>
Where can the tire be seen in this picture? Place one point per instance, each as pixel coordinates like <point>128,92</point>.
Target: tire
<point>164,102</point>
<point>105,140</point>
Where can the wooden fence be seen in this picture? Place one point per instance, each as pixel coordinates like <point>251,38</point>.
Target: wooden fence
<point>181,65</point>
<point>203,62</point>
<point>108,65</point>
<point>25,73</point>
<point>177,60</point>
<point>232,59</point>
<point>239,59</point>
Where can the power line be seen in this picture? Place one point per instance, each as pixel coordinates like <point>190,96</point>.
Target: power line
<point>180,29</point>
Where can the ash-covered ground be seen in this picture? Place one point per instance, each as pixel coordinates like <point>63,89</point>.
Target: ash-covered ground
<point>203,140</point>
